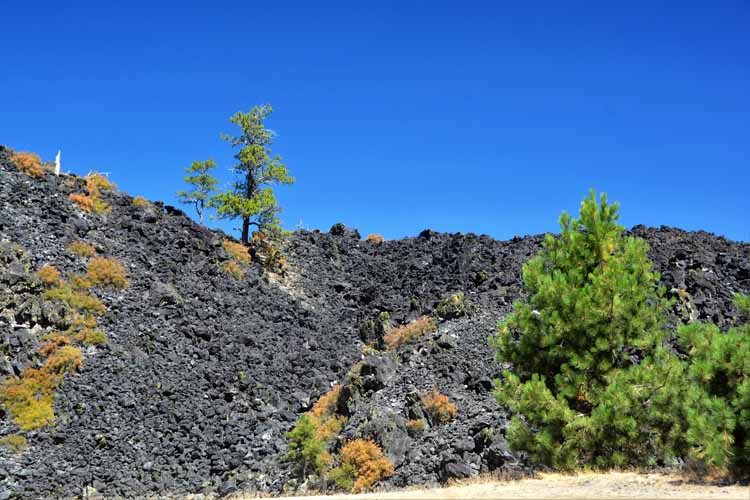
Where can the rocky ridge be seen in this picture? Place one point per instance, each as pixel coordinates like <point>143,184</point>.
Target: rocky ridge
<point>203,374</point>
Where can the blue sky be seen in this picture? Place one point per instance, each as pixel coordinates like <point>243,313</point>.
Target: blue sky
<point>485,117</point>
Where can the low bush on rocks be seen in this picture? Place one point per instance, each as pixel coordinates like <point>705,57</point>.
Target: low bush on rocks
<point>362,464</point>
<point>415,425</point>
<point>410,332</point>
<point>53,343</point>
<point>324,417</point>
<point>233,269</point>
<point>238,251</point>
<point>66,359</point>
<point>106,273</point>
<point>15,442</point>
<point>439,407</point>
<point>267,247</point>
<point>82,249</point>
<point>452,307</point>
<point>28,163</point>
<point>76,299</point>
<point>96,183</point>
<point>92,202</point>
<point>315,430</point>
<point>29,399</point>
<point>375,239</point>
<point>306,449</point>
<point>49,276</point>
<point>140,201</point>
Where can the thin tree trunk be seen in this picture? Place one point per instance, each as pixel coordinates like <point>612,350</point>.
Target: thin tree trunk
<point>245,229</point>
<point>249,193</point>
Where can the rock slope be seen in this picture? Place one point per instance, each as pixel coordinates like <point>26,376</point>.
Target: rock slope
<point>203,373</point>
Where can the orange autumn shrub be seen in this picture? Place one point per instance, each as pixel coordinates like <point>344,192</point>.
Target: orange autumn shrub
<point>49,275</point>
<point>439,407</point>
<point>53,343</point>
<point>375,239</point>
<point>96,183</point>
<point>106,272</point>
<point>409,333</point>
<point>66,359</point>
<point>323,415</point>
<point>363,463</point>
<point>28,163</point>
<point>82,249</point>
<point>233,269</point>
<point>90,204</point>
<point>238,251</point>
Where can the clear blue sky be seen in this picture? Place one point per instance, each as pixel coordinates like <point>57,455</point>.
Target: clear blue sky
<point>485,117</point>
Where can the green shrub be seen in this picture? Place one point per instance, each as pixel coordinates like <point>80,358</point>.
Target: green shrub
<point>718,394</point>
<point>454,306</point>
<point>306,449</point>
<point>76,299</point>
<point>594,301</point>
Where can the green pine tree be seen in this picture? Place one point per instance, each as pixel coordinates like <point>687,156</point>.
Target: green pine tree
<point>251,197</point>
<point>594,308</point>
<point>718,390</point>
<point>204,185</point>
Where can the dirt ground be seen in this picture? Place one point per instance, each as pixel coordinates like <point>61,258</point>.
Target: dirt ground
<point>614,485</point>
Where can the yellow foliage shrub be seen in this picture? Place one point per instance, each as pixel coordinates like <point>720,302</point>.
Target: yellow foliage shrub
<point>30,399</point>
<point>15,442</point>
<point>80,283</point>
<point>92,337</point>
<point>106,272</point>
<point>75,299</point>
<point>49,275</point>
<point>362,464</point>
<point>66,359</point>
<point>408,333</point>
<point>82,249</point>
<point>28,163</point>
<point>238,251</point>
<point>140,201</point>
<point>233,269</point>
<point>439,407</point>
<point>375,239</point>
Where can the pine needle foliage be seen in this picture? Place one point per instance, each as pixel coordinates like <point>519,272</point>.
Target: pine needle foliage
<point>595,307</point>
<point>251,196</point>
<point>718,390</point>
<point>203,185</point>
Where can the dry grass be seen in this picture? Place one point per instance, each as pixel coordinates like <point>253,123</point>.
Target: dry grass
<point>612,485</point>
